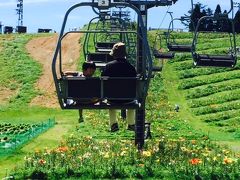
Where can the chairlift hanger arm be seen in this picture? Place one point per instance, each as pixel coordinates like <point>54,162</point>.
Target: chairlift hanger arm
<point>150,3</point>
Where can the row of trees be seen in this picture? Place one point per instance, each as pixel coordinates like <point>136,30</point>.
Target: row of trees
<point>219,23</point>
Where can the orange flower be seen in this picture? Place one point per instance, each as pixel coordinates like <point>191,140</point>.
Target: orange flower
<point>62,149</point>
<point>42,161</point>
<point>227,160</point>
<point>195,161</point>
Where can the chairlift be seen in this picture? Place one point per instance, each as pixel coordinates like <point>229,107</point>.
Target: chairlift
<point>216,60</point>
<point>158,51</point>
<point>102,92</point>
<point>172,44</point>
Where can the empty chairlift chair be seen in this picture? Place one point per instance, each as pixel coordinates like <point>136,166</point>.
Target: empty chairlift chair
<point>104,46</point>
<point>216,60</point>
<point>172,44</point>
<point>158,51</point>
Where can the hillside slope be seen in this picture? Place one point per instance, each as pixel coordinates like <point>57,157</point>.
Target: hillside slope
<point>42,49</point>
<point>208,96</point>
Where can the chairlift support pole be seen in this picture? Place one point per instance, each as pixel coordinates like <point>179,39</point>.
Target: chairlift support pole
<point>143,6</point>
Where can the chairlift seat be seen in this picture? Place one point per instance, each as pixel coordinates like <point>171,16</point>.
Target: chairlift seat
<point>215,60</point>
<point>111,92</point>
<point>163,55</point>
<point>81,88</point>
<point>104,45</point>
<point>99,57</point>
<point>180,48</point>
<point>157,69</point>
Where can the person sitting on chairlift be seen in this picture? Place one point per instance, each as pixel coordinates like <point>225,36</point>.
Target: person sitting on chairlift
<point>120,67</point>
<point>88,69</point>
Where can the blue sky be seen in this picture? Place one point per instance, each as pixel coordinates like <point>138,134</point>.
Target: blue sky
<point>50,13</point>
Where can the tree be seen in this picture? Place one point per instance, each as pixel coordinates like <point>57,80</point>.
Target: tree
<point>218,10</point>
<point>195,16</point>
<point>237,22</point>
<point>217,14</point>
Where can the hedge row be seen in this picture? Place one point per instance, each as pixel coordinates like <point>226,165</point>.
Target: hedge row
<point>220,116</point>
<point>214,78</point>
<point>214,108</point>
<point>218,98</point>
<point>202,91</point>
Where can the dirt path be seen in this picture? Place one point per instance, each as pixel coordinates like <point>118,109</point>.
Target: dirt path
<point>42,49</point>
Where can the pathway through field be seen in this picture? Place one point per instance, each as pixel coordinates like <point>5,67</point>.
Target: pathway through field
<point>42,49</point>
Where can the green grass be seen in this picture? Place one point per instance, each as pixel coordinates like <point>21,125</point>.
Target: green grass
<point>165,91</point>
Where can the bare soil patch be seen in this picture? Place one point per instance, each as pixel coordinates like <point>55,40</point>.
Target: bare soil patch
<point>42,49</point>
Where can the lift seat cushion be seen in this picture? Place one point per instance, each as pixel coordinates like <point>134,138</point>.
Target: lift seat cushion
<point>99,57</point>
<point>83,88</point>
<point>104,45</point>
<point>180,48</point>
<point>163,55</point>
<point>215,60</point>
<point>120,90</point>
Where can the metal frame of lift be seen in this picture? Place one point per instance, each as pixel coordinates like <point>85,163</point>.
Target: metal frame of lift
<point>216,60</point>
<point>143,66</point>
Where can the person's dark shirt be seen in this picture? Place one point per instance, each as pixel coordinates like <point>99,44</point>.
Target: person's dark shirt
<point>119,68</point>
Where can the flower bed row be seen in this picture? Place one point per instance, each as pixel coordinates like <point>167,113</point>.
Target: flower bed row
<point>193,72</point>
<point>220,116</point>
<point>162,158</point>
<point>212,88</point>
<point>213,108</point>
<point>218,98</point>
<point>203,80</point>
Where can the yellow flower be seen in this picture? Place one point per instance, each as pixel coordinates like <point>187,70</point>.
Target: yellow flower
<point>146,153</point>
<point>87,155</point>
<point>194,142</point>
<point>214,158</point>
<point>123,153</point>
<point>106,155</point>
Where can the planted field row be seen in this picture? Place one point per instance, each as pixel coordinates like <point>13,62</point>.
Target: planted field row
<point>203,80</point>
<point>213,45</point>
<point>218,98</point>
<point>180,58</point>
<point>213,108</point>
<point>14,135</point>
<point>186,64</point>
<point>220,116</point>
<point>209,89</point>
<point>216,51</point>
<point>190,73</point>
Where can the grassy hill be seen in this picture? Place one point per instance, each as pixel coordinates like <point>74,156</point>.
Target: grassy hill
<point>183,143</point>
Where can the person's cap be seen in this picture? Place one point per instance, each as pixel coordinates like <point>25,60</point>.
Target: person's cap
<point>118,50</point>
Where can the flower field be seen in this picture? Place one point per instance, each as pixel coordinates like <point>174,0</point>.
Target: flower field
<point>162,158</point>
<point>179,148</point>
